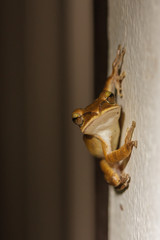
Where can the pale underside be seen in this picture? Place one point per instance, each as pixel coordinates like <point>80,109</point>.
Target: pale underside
<point>106,129</point>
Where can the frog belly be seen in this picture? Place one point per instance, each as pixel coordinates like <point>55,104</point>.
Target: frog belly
<point>108,136</point>
<point>94,145</point>
<point>106,129</point>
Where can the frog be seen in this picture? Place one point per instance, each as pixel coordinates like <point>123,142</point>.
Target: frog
<point>99,124</point>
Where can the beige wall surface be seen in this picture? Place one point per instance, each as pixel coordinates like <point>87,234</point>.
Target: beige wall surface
<point>136,25</point>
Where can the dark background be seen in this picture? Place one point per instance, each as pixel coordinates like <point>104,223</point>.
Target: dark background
<point>34,110</point>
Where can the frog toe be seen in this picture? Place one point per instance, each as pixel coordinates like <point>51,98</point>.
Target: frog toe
<point>124,183</point>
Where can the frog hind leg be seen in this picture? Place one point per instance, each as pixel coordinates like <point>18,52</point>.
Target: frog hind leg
<point>117,177</point>
<point>120,183</point>
<point>116,78</point>
<point>110,175</point>
<point>124,151</point>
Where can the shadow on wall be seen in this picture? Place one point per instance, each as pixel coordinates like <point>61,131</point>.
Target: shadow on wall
<point>33,118</point>
<point>100,74</point>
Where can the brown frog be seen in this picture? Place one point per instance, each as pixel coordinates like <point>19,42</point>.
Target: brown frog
<point>99,123</point>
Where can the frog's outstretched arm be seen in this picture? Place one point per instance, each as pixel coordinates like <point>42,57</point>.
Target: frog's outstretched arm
<point>115,80</point>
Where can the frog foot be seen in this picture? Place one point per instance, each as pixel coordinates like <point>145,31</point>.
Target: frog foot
<point>116,70</point>
<point>124,183</point>
<point>117,63</point>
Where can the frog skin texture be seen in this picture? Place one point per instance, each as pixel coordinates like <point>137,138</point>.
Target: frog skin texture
<point>99,123</point>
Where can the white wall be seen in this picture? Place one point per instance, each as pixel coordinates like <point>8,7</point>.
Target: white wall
<point>136,24</point>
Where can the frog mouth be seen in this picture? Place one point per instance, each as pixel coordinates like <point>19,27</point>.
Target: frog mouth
<point>102,121</point>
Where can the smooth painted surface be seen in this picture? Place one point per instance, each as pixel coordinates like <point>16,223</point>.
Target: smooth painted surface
<point>135,214</point>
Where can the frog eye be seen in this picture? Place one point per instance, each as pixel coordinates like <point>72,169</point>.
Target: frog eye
<point>77,119</point>
<point>110,97</point>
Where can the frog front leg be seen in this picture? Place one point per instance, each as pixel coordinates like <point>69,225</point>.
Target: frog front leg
<point>115,176</point>
<point>128,138</point>
<point>115,80</point>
